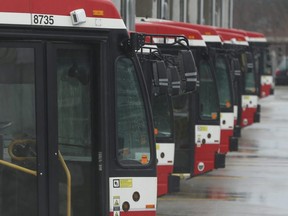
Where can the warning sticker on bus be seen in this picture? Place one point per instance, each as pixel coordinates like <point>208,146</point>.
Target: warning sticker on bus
<point>202,128</point>
<point>126,183</point>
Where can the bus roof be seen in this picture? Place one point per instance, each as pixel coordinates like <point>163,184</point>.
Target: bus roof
<point>232,38</point>
<point>69,13</point>
<point>208,33</point>
<point>193,36</point>
<point>249,35</point>
<point>256,37</point>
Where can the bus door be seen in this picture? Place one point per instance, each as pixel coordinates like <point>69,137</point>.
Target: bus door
<point>72,128</point>
<point>20,128</point>
<point>47,162</point>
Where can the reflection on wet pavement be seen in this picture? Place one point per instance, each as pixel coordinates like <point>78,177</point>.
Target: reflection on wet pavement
<point>255,180</point>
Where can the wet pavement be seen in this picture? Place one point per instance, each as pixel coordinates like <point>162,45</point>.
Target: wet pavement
<point>255,180</point>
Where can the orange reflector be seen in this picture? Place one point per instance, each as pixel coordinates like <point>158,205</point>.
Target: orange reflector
<point>228,104</point>
<point>156,131</point>
<point>150,206</point>
<point>144,159</point>
<point>214,115</point>
<point>191,37</point>
<point>207,33</point>
<point>98,13</point>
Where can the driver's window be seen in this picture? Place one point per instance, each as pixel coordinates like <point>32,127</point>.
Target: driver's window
<point>131,124</point>
<point>222,80</point>
<point>18,183</point>
<point>250,82</point>
<point>208,95</point>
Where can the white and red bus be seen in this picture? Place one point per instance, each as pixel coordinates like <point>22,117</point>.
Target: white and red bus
<point>235,44</point>
<point>259,45</point>
<point>250,89</point>
<point>76,132</point>
<point>163,82</point>
<point>196,114</point>
<point>224,83</point>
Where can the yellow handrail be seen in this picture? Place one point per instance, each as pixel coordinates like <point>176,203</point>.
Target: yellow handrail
<point>20,142</point>
<point>33,172</point>
<point>22,169</point>
<point>68,176</point>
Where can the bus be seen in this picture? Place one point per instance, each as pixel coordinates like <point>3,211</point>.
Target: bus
<point>235,45</point>
<point>196,114</point>
<point>163,82</point>
<point>263,65</point>
<point>250,90</point>
<point>228,141</point>
<point>76,130</point>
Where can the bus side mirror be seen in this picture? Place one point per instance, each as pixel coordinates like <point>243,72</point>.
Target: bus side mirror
<point>160,79</point>
<point>188,70</point>
<point>236,67</point>
<point>249,60</point>
<point>134,42</point>
<point>173,80</point>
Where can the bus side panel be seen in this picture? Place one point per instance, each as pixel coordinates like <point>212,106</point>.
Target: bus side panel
<point>249,108</point>
<point>266,85</point>
<point>165,158</point>
<point>136,192</point>
<point>207,141</point>
<point>205,159</point>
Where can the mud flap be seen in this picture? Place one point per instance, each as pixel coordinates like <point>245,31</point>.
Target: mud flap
<point>258,108</point>
<point>219,160</point>
<point>237,131</point>
<point>271,91</point>
<point>173,184</point>
<point>233,146</point>
<point>257,117</point>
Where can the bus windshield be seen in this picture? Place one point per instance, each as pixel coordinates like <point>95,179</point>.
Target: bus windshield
<point>132,126</point>
<point>207,93</point>
<point>162,116</point>
<point>222,80</point>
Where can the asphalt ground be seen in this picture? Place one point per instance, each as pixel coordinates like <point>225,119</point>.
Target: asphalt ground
<point>255,180</point>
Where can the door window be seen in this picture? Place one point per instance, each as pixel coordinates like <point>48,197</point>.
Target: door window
<point>18,143</point>
<point>73,68</point>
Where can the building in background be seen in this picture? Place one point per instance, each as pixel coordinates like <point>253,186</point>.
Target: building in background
<point>208,12</point>
<point>266,16</point>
